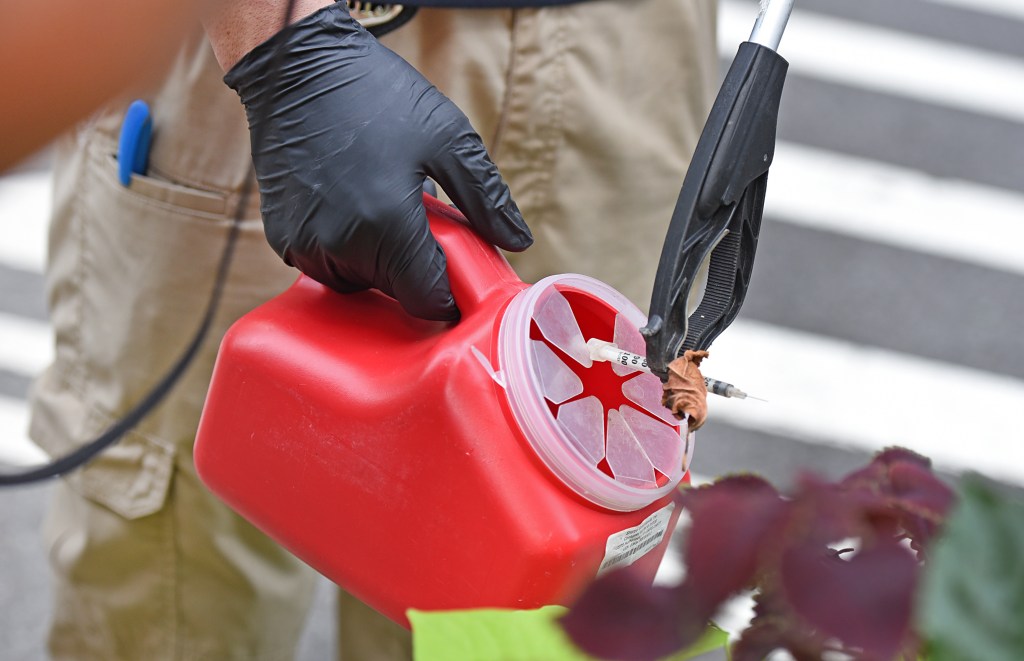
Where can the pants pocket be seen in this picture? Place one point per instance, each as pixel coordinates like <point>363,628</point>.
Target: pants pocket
<point>130,275</point>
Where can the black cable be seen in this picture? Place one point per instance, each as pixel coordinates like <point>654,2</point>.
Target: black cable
<point>134,416</point>
<point>163,387</point>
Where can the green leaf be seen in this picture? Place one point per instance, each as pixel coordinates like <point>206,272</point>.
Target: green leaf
<point>972,600</point>
<point>713,639</point>
<point>512,635</point>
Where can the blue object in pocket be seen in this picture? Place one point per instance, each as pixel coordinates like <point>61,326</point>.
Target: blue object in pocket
<point>133,145</point>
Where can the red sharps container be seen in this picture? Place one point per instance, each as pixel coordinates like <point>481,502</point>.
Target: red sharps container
<point>487,463</point>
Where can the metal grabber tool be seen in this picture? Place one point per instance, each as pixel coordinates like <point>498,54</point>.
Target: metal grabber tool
<point>708,253</point>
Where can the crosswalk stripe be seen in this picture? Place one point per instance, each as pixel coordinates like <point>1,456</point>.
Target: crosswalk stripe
<point>888,61</point>
<point>897,206</point>
<point>1009,8</point>
<point>15,448</point>
<point>26,346</point>
<point>838,393</point>
<point>24,215</point>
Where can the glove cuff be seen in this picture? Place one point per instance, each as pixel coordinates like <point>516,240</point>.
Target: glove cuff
<point>249,76</point>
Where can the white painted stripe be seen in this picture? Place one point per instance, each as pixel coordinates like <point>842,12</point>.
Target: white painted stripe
<point>1008,8</point>
<point>888,61</point>
<point>24,216</point>
<point>834,392</point>
<point>15,447</point>
<point>26,346</point>
<point>671,570</point>
<point>901,207</point>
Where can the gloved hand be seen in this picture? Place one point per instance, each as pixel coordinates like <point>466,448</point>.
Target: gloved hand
<point>343,137</point>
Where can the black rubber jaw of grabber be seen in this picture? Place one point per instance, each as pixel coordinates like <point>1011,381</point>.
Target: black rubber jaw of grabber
<point>718,214</point>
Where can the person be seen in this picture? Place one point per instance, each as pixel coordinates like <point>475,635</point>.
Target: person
<point>46,91</point>
<point>590,111</point>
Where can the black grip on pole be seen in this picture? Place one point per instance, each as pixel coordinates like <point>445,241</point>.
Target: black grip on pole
<point>718,214</point>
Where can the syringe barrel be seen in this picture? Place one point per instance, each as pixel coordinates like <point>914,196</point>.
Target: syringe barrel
<point>606,351</point>
<point>720,388</point>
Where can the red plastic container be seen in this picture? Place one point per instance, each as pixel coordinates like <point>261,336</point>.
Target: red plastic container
<point>436,466</point>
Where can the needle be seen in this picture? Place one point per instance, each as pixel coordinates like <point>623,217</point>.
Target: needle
<point>727,389</point>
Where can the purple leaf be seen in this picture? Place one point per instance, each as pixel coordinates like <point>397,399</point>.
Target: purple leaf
<point>734,521</point>
<point>875,473</point>
<point>918,489</point>
<point>757,642</point>
<point>895,454</point>
<point>898,494</point>
<point>865,601</point>
<point>622,617</point>
<point>824,513</point>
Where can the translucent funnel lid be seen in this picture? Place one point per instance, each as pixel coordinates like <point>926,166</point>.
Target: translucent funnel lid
<point>600,427</point>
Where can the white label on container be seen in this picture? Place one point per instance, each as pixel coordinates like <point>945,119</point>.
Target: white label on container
<point>626,547</point>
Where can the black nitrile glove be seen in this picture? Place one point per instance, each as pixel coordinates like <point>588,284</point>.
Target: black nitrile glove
<point>347,131</point>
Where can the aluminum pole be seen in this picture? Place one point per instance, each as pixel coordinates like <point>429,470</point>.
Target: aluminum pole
<point>771,23</point>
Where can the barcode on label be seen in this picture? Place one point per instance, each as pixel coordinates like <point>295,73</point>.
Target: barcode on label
<point>626,547</point>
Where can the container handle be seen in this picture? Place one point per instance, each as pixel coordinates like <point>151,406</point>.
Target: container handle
<point>476,269</point>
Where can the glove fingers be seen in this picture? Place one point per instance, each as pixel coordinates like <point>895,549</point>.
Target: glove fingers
<point>466,172</point>
<point>418,273</point>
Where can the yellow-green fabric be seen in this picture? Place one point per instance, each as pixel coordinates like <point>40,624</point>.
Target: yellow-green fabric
<point>590,110</point>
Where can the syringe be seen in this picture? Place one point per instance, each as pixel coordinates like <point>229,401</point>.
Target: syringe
<point>727,389</point>
<point>607,352</point>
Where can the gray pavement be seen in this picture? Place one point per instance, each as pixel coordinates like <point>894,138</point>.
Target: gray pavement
<point>25,586</point>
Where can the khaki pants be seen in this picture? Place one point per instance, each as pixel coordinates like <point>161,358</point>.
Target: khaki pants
<point>591,112</point>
